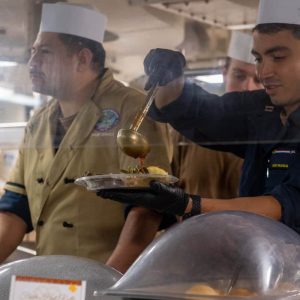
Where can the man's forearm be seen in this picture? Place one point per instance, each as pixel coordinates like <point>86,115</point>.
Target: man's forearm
<point>12,231</point>
<point>170,92</point>
<point>139,230</point>
<point>263,205</point>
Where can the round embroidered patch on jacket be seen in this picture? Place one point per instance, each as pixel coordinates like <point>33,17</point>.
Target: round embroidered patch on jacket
<point>108,120</point>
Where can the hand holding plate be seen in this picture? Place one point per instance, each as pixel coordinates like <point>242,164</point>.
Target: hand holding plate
<point>159,197</point>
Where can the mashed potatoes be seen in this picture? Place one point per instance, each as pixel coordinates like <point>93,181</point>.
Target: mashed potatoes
<point>156,170</point>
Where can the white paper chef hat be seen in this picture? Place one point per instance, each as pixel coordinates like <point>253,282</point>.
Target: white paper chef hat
<point>279,11</point>
<point>73,19</point>
<point>240,47</point>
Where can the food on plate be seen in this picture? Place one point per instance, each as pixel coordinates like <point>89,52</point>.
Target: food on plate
<point>156,170</point>
<point>202,289</point>
<point>133,177</point>
<point>145,170</point>
<point>142,176</point>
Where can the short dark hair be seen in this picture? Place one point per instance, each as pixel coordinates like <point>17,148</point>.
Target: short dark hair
<point>75,44</point>
<point>276,27</point>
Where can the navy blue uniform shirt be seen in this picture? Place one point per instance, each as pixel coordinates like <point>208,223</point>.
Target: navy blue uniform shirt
<point>248,125</point>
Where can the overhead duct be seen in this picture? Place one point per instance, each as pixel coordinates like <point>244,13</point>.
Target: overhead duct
<point>203,43</point>
<point>226,14</point>
<point>165,16</point>
<point>196,39</point>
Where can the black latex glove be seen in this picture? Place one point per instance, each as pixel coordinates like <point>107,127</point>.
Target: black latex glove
<point>159,196</point>
<point>163,66</point>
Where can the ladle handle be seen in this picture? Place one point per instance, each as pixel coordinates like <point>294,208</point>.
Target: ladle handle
<point>141,115</point>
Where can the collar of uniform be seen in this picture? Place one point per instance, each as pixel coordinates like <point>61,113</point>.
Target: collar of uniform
<point>104,83</point>
<point>50,110</point>
<point>294,118</point>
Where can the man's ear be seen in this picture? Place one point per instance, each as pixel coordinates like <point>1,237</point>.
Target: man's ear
<point>85,58</point>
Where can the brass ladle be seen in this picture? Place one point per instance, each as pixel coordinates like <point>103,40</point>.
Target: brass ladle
<point>130,140</point>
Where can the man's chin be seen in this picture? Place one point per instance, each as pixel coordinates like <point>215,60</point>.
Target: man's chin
<point>277,100</point>
<point>37,88</point>
<point>40,90</point>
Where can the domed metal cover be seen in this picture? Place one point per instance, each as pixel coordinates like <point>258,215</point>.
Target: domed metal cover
<point>225,255</point>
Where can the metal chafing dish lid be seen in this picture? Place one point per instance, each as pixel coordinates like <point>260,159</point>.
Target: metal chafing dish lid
<point>97,275</point>
<point>225,255</point>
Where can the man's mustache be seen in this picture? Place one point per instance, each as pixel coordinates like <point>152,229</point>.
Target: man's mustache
<point>271,82</point>
<point>36,73</point>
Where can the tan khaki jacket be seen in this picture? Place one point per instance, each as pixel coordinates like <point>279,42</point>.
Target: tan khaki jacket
<point>206,172</point>
<point>68,219</point>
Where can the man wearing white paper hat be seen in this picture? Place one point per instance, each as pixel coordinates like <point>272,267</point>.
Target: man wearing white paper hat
<point>239,70</point>
<point>263,126</point>
<point>216,174</point>
<point>74,135</point>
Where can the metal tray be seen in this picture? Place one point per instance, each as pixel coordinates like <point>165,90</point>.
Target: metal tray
<point>110,181</point>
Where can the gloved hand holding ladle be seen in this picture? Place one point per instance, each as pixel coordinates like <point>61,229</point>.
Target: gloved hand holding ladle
<point>162,66</point>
